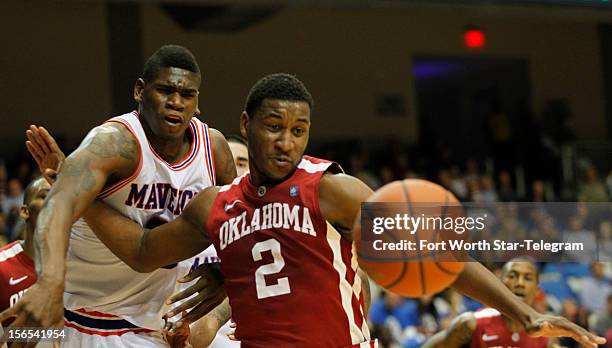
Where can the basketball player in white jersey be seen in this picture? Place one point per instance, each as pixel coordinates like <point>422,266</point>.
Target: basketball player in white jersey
<point>213,329</point>
<point>147,164</point>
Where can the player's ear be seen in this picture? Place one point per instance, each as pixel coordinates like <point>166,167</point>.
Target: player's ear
<point>24,212</point>
<point>139,90</point>
<point>244,124</point>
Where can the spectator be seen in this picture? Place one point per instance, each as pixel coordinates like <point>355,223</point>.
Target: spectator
<point>538,191</point>
<point>458,185</point>
<point>603,320</point>
<point>487,193</point>
<point>595,289</point>
<point>605,241</point>
<point>592,189</point>
<point>358,169</point>
<point>10,207</point>
<point>577,234</point>
<point>506,191</point>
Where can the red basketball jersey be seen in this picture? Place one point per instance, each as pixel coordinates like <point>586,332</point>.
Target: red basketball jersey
<point>290,277</point>
<point>17,274</point>
<point>492,332</point>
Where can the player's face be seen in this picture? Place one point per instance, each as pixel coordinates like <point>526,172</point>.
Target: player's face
<point>30,211</point>
<point>277,137</point>
<point>521,279</point>
<point>241,157</point>
<point>169,102</point>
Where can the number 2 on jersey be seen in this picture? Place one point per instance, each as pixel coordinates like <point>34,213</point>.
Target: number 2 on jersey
<point>282,285</point>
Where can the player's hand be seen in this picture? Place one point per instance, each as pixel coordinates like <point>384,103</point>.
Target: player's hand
<point>45,151</point>
<point>179,338</point>
<point>232,335</point>
<point>206,294</point>
<point>41,306</point>
<point>553,326</point>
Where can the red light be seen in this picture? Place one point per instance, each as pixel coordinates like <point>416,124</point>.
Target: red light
<point>474,38</point>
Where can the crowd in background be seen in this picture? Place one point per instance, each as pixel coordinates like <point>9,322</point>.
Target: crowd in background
<point>580,290</point>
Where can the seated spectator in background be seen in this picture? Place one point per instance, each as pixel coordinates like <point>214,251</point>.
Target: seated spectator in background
<point>506,191</point>
<point>458,185</point>
<point>409,321</point>
<point>538,191</point>
<point>358,169</point>
<point>10,208</point>
<point>575,233</point>
<point>488,327</point>
<point>604,242</point>
<point>595,289</point>
<point>591,188</point>
<point>603,320</point>
<point>486,193</point>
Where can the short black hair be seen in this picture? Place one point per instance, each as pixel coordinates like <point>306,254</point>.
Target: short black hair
<point>28,193</point>
<point>235,138</point>
<point>524,259</point>
<point>277,86</point>
<point>169,56</point>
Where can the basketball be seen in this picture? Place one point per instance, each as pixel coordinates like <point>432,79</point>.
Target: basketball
<point>415,272</point>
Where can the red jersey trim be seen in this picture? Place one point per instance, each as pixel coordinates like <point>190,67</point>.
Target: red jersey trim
<point>90,331</point>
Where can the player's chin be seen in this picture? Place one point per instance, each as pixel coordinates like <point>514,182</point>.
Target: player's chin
<point>278,174</point>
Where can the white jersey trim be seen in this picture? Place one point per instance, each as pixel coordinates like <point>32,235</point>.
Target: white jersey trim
<point>346,290</point>
<point>486,313</point>
<point>10,252</point>
<point>311,167</point>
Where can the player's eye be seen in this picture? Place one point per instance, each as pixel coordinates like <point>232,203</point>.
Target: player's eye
<point>273,127</point>
<point>298,131</point>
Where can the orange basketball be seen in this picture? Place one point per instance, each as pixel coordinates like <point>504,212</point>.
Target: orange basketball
<point>416,272</point>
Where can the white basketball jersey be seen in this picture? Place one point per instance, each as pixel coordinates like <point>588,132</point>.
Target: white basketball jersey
<point>156,193</point>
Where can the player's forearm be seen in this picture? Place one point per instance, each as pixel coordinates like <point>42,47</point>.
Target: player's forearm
<point>142,249</point>
<point>51,236</point>
<point>124,237</point>
<point>480,284</point>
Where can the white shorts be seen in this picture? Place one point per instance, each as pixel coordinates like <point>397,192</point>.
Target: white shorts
<point>92,329</point>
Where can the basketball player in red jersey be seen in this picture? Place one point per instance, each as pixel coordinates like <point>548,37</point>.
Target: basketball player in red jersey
<point>488,328</point>
<point>283,233</point>
<point>17,271</point>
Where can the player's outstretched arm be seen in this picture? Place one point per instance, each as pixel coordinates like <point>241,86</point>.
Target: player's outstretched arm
<point>479,283</point>
<point>107,151</point>
<point>456,336</point>
<point>146,250</point>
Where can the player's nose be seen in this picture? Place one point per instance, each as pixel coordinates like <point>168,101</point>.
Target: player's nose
<point>175,101</point>
<point>284,142</point>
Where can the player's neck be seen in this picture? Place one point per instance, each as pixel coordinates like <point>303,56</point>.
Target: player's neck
<point>28,242</point>
<point>170,150</point>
